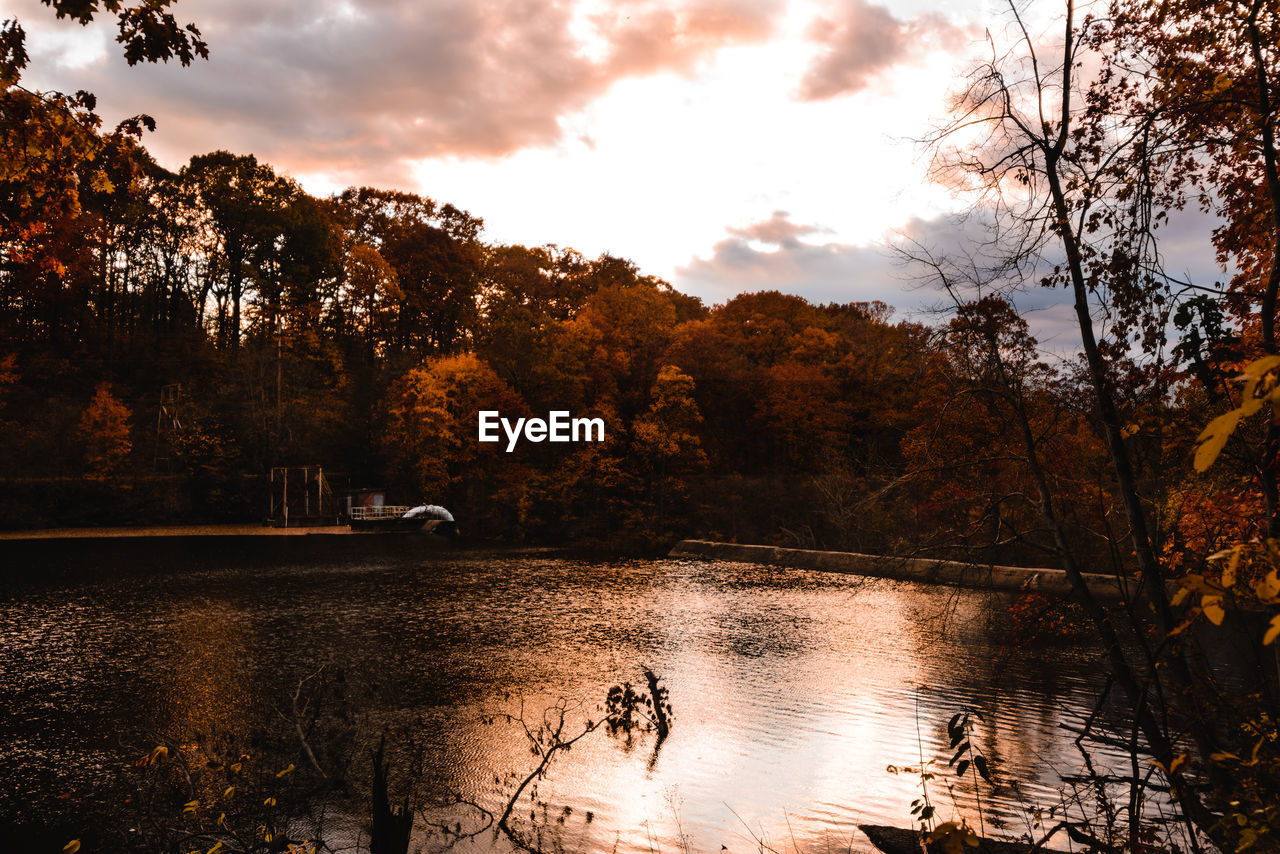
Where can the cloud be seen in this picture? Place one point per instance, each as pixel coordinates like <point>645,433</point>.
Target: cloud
<point>774,254</point>
<point>863,40</point>
<point>771,255</point>
<point>364,87</point>
<point>648,38</point>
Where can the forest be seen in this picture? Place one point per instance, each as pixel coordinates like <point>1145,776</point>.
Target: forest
<point>362,332</point>
<point>169,336</point>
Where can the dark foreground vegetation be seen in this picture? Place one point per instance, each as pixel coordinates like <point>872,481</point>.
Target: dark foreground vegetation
<point>364,331</point>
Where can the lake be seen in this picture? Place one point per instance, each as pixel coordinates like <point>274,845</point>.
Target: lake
<point>795,694</point>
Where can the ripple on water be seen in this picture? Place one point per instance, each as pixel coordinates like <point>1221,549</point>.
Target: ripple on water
<point>794,692</point>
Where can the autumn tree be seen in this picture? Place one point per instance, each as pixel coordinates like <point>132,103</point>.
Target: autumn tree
<point>51,146</point>
<point>104,432</point>
<point>430,436</point>
<point>548,282</point>
<point>370,297</point>
<point>48,137</point>
<point>435,252</point>
<point>1075,179</point>
<point>1001,461</point>
<point>1213,70</point>
<point>666,442</point>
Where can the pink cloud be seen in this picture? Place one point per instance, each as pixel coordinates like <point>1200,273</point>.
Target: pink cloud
<point>361,87</point>
<point>864,40</point>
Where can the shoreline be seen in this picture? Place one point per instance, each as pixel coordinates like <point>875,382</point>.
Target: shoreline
<point>150,531</point>
<point>1044,580</point>
<point>205,544</point>
<point>81,550</point>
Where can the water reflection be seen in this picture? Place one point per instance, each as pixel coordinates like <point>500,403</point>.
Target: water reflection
<point>793,691</point>
<point>206,693</point>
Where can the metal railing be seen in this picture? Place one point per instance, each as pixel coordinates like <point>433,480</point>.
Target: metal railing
<point>385,511</point>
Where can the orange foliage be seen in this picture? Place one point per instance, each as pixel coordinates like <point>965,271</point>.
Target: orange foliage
<point>104,432</point>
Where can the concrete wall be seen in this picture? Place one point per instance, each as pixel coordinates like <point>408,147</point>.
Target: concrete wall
<point>1046,581</point>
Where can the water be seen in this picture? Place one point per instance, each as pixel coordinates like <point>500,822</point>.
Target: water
<point>794,692</point>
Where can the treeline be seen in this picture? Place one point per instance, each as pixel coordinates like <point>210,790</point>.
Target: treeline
<point>175,335</point>
<point>362,332</point>
<point>168,337</point>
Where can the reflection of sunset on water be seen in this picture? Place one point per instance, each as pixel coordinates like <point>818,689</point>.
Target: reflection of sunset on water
<point>792,704</point>
<point>793,692</point>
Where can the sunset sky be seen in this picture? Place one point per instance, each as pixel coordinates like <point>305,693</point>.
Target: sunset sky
<point>725,145</point>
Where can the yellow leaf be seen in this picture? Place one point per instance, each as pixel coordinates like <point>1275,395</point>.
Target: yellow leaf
<point>1212,607</point>
<point>1229,574</point>
<point>285,771</point>
<point>1259,368</point>
<point>1273,631</point>
<point>1269,587</point>
<point>1250,400</point>
<point>71,847</point>
<point>1214,438</point>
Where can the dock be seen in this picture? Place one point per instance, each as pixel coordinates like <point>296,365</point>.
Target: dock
<point>79,551</point>
<point>172,531</point>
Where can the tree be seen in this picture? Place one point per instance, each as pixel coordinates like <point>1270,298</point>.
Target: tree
<point>105,433</point>
<point>430,437</point>
<point>1069,177</point>
<point>435,252</point>
<point>665,439</point>
<point>1213,69</point>
<point>370,297</point>
<point>999,449</point>
<point>245,201</point>
<point>49,142</point>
